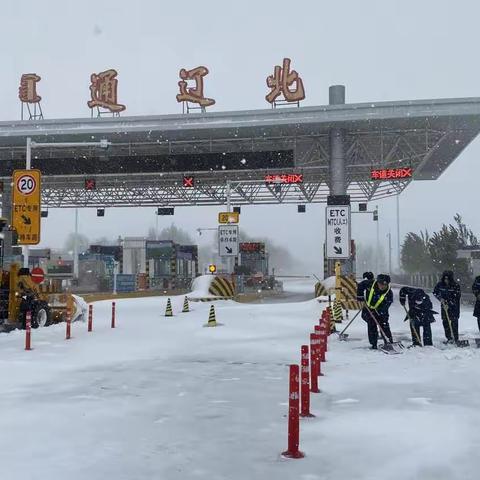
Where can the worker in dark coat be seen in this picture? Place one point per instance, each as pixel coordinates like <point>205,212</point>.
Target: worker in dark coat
<point>476,292</point>
<point>367,280</point>
<point>419,313</point>
<point>378,299</point>
<point>447,292</point>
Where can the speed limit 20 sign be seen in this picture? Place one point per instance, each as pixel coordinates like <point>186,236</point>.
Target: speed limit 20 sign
<point>26,183</point>
<point>26,206</point>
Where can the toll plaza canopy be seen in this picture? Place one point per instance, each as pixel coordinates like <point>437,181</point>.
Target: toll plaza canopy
<point>150,155</point>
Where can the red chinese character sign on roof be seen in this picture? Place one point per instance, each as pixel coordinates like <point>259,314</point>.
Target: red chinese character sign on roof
<point>193,94</point>
<point>289,178</point>
<point>103,91</point>
<point>391,173</point>
<point>27,92</point>
<point>281,82</point>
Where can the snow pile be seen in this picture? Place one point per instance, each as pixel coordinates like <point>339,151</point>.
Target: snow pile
<point>166,398</point>
<point>329,283</point>
<point>81,311</point>
<point>200,286</point>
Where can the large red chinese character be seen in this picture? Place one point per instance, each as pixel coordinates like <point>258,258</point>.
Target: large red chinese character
<point>193,94</point>
<point>103,91</point>
<point>281,82</point>
<point>27,92</point>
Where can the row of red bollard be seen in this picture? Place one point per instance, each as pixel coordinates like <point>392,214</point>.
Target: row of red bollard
<point>68,323</point>
<point>301,385</point>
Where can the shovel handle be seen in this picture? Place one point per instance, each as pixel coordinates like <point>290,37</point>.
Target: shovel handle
<point>385,339</point>
<point>445,307</point>
<point>413,326</point>
<point>349,323</point>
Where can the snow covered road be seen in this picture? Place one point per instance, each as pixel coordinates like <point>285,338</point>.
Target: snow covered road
<point>164,398</point>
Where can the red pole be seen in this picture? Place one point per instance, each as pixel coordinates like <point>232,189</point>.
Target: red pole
<point>305,386</point>
<point>323,347</point>
<point>113,314</point>
<point>90,318</point>
<point>28,331</point>
<point>322,342</point>
<point>69,324</point>
<point>313,361</point>
<point>293,416</point>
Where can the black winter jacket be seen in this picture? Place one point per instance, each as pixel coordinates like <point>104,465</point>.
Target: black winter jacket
<point>421,309</point>
<point>450,294</point>
<point>382,309</point>
<point>476,292</point>
<point>407,293</point>
<point>363,287</point>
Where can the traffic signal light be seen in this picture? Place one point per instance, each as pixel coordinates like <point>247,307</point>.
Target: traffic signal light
<point>165,211</point>
<point>375,215</point>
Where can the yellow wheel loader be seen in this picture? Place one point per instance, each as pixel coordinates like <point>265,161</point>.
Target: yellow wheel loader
<point>19,294</point>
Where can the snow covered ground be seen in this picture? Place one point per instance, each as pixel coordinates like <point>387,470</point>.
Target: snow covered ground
<point>164,398</point>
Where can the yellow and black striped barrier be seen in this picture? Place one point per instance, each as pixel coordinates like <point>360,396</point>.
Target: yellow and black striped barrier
<point>221,287</point>
<point>337,311</point>
<point>320,290</point>
<point>348,287</point>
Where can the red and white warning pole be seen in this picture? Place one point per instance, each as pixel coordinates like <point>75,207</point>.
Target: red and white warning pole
<point>28,331</point>
<point>113,314</point>
<point>314,361</point>
<point>305,385</point>
<point>90,318</point>
<point>293,416</point>
<point>322,341</point>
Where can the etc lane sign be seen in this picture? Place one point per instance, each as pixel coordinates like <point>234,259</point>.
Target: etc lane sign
<point>26,206</point>
<point>338,231</point>
<point>228,240</point>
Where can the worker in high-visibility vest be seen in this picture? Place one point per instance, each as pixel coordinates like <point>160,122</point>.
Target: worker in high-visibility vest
<point>378,300</point>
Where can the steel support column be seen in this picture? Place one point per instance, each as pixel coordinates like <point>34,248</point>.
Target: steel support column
<point>337,146</point>
<point>7,214</point>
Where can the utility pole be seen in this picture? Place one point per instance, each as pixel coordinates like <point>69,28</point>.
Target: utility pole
<point>389,236</point>
<point>377,266</point>
<point>230,261</point>
<point>398,233</point>
<point>75,247</point>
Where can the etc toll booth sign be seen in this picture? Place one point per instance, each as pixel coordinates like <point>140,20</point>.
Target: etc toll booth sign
<point>26,206</point>
<point>228,240</point>
<point>338,231</point>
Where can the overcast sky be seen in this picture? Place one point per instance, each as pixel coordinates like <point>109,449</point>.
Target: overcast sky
<point>381,50</point>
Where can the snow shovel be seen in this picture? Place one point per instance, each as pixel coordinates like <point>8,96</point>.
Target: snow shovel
<point>388,347</point>
<point>344,336</point>
<point>459,343</point>
<point>412,326</point>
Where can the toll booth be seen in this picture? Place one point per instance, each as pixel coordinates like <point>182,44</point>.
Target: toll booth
<point>253,258</point>
<point>169,265</point>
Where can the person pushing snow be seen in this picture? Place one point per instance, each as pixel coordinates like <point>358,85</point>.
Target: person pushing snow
<point>420,314</point>
<point>447,292</point>
<point>378,299</point>
<point>476,292</point>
